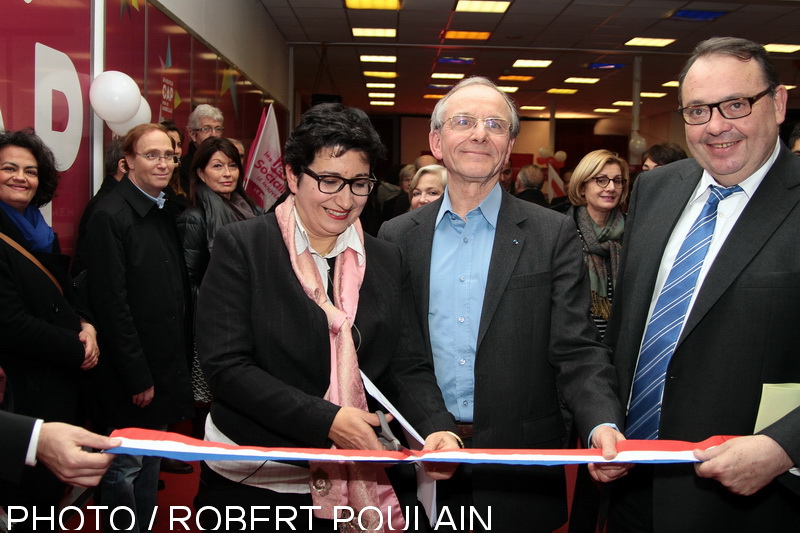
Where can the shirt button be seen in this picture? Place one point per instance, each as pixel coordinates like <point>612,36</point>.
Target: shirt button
<point>462,362</point>
<point>466,239</point>
<point>461,278</point>
<point>466,403</point>
<point>461,319</point>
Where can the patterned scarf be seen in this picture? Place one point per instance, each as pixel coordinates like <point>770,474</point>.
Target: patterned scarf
<point>355,485</point>
<point>601,248</point>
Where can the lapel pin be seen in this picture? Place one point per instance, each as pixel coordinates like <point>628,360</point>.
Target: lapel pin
<point>516,241</point>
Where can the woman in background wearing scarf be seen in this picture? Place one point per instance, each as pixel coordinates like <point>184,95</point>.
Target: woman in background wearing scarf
<point>598,186</point>
<point>44,342</point>
<point>293,305</point>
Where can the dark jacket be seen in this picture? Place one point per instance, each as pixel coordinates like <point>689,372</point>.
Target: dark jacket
<point>41,355</point>
<point>79,263</point>
<point>197,227</point>
<point>139,293</point>
<point>39,346</point>
<point>533,195</point>
<point>265,346</point>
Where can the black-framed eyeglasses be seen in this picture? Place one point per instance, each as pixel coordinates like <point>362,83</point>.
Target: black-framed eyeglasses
<point>493,125</point>
<point>332,184</point>
<point>694,115</point>
<point>153,157</point>
<point>603,181</point>
<point>209,129</point>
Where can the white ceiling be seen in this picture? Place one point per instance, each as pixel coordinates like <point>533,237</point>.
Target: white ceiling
<point>571,33</point>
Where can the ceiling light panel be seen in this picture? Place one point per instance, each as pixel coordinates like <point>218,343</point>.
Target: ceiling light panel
<point>532,63</point>
<point>532,108</point>
<point>447,76</point>
<point>468,35</point>
<point>782,48</point>
<point>652,95</point>
<point>380,74</point>
<point>646,41</point>
<point>378,59</point>
<point>381,85</point>
<point>556,90</point>
<point>508,89</point>
<point>467,6</point>
<point>392,5</point>
<point>515,78</point>
<point>606,110</point>
<point>588,81</point>
<point>381,102</point>
<point>374,32</point>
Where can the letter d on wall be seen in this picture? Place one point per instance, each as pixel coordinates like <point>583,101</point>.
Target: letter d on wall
<point>56,72</point>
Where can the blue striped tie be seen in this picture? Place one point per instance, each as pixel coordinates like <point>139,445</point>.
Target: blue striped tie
<point>666,323</point>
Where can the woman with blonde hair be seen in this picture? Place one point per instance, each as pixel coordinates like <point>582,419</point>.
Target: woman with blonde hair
<point>427,185</point>
<point>598,187</point>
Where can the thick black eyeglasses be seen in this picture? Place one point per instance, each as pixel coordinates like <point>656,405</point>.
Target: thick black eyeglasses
<point>332,184</point>
<point>694,115</point>
<point>603,181</point>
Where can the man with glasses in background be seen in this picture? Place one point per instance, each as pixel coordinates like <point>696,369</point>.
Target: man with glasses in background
<point>204,122</point>
<point>138,292</point>
<point>502,295</point>
<point>706,307</point>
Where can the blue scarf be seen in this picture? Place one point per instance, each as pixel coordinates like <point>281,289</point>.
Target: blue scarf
<point>32,226</point>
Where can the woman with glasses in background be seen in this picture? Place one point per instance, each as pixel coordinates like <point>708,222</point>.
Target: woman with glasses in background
<point>598,186</point>
<point>293,306</point>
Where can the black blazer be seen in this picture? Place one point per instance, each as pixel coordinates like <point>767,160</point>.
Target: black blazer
<point>535,338</point>
<point>742,332</point>
<point>264,345</point>
<point>139,293</point>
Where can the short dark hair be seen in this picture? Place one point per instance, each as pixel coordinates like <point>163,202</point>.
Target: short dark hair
<point>171,126</point>
<point>795,136</point>
<point>664,153</point>
<point>45,161</point>
<point>333,126</point>
<point>741,49</point>
<point>111,158</point>
<point>203,155</point>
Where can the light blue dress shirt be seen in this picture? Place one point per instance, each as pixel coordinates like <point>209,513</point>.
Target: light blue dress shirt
<point>459,269</point>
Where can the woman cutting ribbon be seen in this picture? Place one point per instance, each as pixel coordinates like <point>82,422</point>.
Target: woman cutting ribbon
<point>294,306</point>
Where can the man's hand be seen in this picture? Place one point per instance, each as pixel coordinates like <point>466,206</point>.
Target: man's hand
<point>144,398</point>
<point>606,438</point>
<point>59,448</point>
<point>91,350</point>
<point>441,440</point>
<point>352,429</point>
<point>744,465</point>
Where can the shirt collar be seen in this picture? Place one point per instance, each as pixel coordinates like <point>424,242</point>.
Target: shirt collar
<point>159,201</point>
<point>348,239</point>
<point>489,207</point>
<point>749,185</point>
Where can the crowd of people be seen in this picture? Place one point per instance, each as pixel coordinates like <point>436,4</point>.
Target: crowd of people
<point>490,320</point>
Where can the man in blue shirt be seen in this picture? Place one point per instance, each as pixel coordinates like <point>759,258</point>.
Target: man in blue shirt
<point>502,297</point>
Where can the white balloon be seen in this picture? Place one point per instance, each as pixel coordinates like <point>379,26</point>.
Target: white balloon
<point>114,96</point>
<point>546,151</point>
<point>560,156</point>
<point>142,116</point>
<point>637,145</point>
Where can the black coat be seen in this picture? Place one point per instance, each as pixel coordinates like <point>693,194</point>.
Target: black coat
<point>39,346</point>
<point>41,355</point>
<point>139,293</point>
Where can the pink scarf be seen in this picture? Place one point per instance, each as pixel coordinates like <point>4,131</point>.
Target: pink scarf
<point>354,485</point>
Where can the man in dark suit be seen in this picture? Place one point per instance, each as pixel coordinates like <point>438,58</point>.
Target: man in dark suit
<point>739,328</point>
<point>480,260</point>
<point>57,445</point>
<point>139,293</point>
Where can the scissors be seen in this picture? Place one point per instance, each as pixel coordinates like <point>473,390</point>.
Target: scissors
<point>385,435</point>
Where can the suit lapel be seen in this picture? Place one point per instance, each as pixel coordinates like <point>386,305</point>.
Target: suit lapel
<point>509,240</point>
<point>419,243</point>
<point>765,212</point>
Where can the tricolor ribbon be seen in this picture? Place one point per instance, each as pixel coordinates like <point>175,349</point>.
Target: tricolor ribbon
<point>137,441</point>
